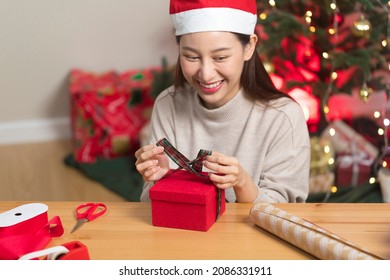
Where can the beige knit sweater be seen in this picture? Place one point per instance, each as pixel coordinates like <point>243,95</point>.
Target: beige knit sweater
<point>271,142</point>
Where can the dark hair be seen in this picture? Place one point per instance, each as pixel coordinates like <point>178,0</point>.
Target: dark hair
<point>255,80</point>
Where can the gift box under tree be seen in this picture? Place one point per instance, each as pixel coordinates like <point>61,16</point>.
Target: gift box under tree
<point>341,136</point>
<point>353,169</point>
<point>355,155</point>
<point>108,111</point>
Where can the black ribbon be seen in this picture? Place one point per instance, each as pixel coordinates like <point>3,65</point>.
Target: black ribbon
<point>194,166</point>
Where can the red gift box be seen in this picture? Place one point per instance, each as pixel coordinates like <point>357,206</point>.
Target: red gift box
<point>352,170</point>
<point>344,139</point>
<point>184,200</point>
<point>108,111</point>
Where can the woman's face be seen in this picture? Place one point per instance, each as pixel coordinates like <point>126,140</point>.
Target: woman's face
<point>212,63</point>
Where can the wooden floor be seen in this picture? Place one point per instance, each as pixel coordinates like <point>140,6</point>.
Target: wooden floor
<point>35,172</point>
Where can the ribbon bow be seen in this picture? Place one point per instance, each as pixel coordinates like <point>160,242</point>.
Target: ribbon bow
<point>194,166</point>
<point>356,158</point>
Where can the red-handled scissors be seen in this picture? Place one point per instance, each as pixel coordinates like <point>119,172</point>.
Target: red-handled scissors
<point>87,212</point>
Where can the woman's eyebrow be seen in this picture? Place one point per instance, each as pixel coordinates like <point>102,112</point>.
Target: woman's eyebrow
<point>213,51</point>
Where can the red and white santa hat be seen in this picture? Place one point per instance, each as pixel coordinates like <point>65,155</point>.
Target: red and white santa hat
<point>189,16</point>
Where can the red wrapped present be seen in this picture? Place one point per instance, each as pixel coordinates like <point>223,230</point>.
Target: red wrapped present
<point>108,111</point>
<point>342,137</point>
<point>352,169</point>
<point>186,199</point>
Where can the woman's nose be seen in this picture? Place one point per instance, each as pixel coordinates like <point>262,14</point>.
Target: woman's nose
<point>206,71</point>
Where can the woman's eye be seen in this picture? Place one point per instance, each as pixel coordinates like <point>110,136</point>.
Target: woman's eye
<point>220,58</point>
<point>191,58</point>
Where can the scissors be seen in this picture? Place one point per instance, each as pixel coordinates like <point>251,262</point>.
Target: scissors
<point>87,212</point>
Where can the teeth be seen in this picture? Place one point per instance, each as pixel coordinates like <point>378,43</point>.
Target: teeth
<point>213,85</point>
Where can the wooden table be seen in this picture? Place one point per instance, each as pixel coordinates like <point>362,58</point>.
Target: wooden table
<point>126,232</point>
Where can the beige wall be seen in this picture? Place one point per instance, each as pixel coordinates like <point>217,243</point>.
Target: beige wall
<point>42,40</point>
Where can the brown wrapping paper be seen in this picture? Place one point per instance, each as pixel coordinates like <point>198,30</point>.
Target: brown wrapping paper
<point>305,235</point>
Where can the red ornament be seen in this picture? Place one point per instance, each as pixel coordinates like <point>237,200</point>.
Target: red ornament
<point>338,18</point>
<point>304,64</point>
<point>310,106</point>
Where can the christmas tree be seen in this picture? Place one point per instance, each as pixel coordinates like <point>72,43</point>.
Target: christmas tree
<point>326,47</point>
<point>319,50</point>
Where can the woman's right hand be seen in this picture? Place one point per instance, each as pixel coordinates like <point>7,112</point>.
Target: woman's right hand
<point>152,163</point>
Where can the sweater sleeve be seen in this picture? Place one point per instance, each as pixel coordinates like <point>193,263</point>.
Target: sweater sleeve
<point>285,174</point>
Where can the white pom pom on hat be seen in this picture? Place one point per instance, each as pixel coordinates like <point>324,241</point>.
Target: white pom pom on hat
<point>190,16</point>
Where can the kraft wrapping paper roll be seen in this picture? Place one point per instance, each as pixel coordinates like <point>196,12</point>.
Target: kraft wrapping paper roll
<point>306,235</point>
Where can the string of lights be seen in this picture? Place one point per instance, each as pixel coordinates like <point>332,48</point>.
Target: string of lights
<point>361,28</point>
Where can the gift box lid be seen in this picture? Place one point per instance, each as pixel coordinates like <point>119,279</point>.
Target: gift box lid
<point>184,187</point>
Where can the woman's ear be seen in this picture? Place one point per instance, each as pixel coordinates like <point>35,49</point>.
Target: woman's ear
<point>250,47</point>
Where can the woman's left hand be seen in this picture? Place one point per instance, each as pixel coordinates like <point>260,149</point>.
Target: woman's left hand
<point>227,172</point>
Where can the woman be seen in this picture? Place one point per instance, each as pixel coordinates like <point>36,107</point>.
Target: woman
<point>223,100</point>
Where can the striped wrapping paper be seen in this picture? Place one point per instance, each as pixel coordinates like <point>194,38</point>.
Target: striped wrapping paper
<point>305,235</point>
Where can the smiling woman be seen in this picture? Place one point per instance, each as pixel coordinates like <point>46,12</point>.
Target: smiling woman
<point>223,100</point>
<point>212,63</point>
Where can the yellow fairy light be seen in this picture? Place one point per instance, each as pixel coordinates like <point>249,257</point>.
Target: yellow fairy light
<point>308,16</point>
<point>377,114</point>
<point>334,76</point>
<point>272,3</point>
<point>325,55</point>
<point>326,149</point>
<point>333,6</point>
<point>332,31</point>
<point>331,161</point>
<point>384,164</point>
<point>312,29</point>
<point>326,109</point>
<point>381,131</point>
<point>384,43</point>
<point>263,16</point>
<point>372,180</point>
<point>333,189</point>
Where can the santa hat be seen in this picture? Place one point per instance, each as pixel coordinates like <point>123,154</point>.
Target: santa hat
<point>189,16</point>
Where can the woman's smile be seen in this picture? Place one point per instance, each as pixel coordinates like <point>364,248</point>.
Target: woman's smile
<point>211,87</point>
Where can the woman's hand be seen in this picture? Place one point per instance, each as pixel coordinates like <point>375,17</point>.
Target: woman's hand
<point>227,172</point>
<point>152,163</point>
